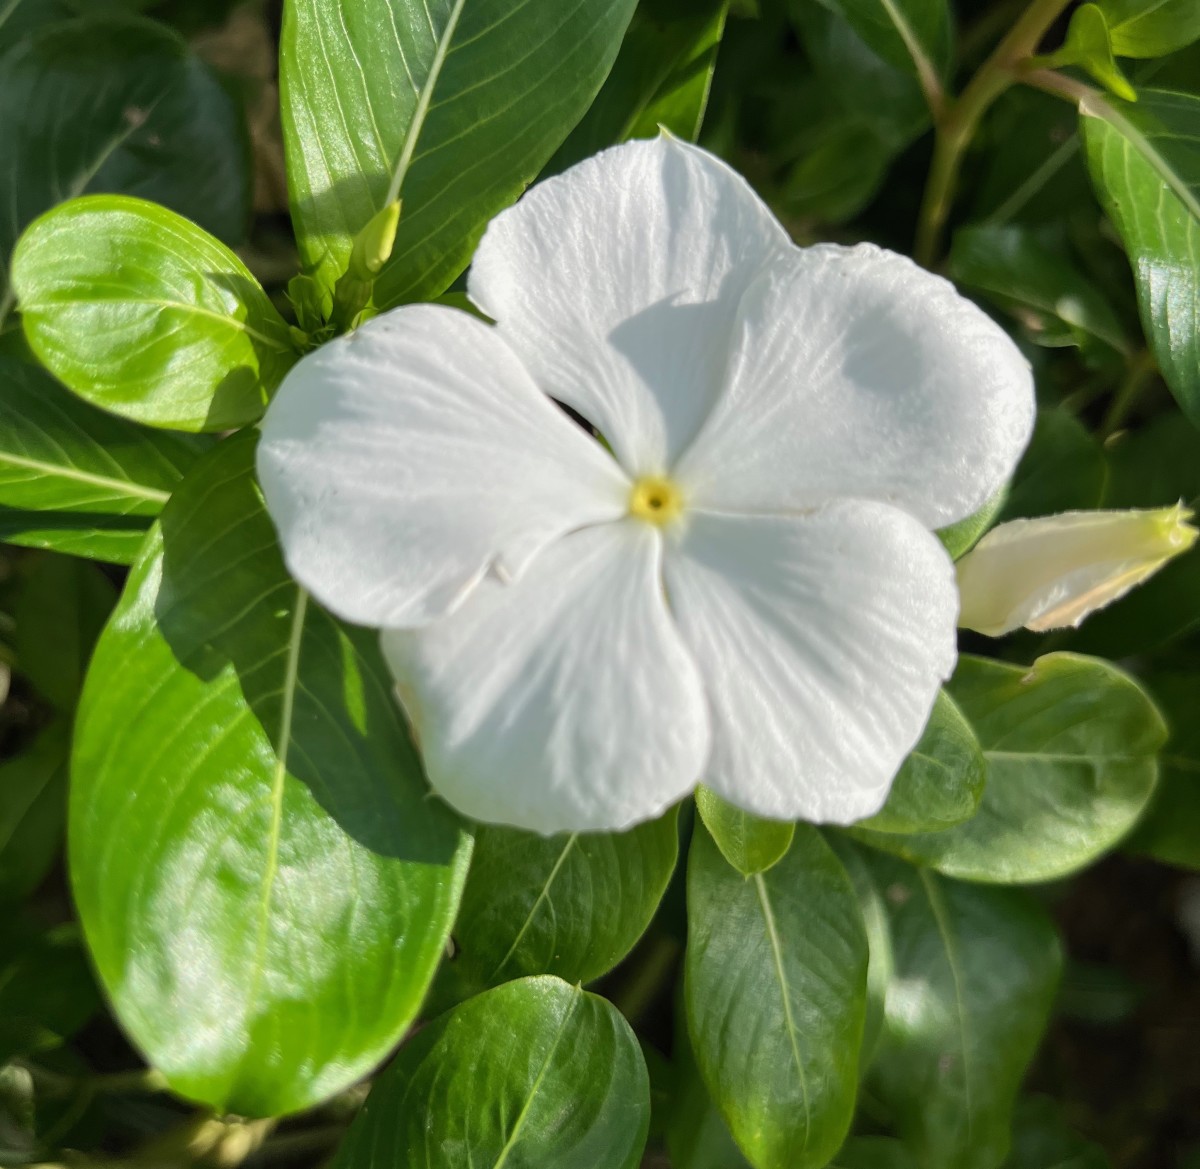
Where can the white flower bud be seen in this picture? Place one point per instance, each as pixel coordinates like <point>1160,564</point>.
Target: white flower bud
<point>1052,572</point>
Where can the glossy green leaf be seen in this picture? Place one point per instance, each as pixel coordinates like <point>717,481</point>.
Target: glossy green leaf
<point>46,989</point>
<point>1170,830</point>
<point>141,312</point>
<point>1043,1140</point>
<point>661,77</point>
<point>1063,469</point>
<point>1145,163</point>
<point>1030,275</point>
<point>115,539</point>
<point>880,964</point>
<point>696,1136</point>
<point>451,107</point>
<point>1071,746</point>
<point>60,609</point>
<point>238,753</point>
<point>534,1073</point>
<point>33,812</point>
<point>942,780</point>
<point>571,905</point>
<point>749,843</point>
<point>1151,28</point>
<point>1089,45</point>
<point>114,104</point>
<point>914,35</point>
<point>976,974</point>
<point>775,984</point>
<point>65,466</point>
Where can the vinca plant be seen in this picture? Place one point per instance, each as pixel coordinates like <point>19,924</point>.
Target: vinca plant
<point>593,583</point>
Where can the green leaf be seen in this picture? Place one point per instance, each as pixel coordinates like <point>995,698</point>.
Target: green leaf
<point>1089,45</point>
<point>451,107</point>
<point>775,986</point>
<point>114,104</point>
<point>941,782</point>
<point>33,812</point>
<point>115,539</point>
<point>1029,274</point>
<point>571,905</point>
<point>140,312</point>
<point>1151,28</point>
<point>1063,469</point>
<point>46,989</point>
<point>60,609</point>
<point>1145,163</point>
<point>750,844</point>
<point>60,455</point>
<point>976,973</point>
<point>1042,1140</point>
<point>534,1073</point>
<point>661,77</point>
<point>961,537</point>
<point>1071,746</point>
<point>880,965</point>
<point>1170,830</point>
<point>914,35</point>
<point>238,752</point>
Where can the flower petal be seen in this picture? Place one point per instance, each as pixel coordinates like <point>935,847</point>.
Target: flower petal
<point>618,281</point>
<point>566,702</point>
<point>403,461</point>
<point>822,640</point>
<point>854,372</point>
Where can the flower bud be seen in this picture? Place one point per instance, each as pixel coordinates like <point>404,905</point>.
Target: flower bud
<point>373,245</point>
<point>1052,572</point>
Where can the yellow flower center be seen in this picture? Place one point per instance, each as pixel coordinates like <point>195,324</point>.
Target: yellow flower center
<point>655,500</point>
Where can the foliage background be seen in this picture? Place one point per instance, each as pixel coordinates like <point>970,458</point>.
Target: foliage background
<point>833,128</point>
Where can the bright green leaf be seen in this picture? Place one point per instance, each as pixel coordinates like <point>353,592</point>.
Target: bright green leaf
<point>1145,163</point>
<point>115,539</point>
<point>1089,45</point>
<point>569,905</point>
<point>238,752</point>
<point>114,104</point>
<point>752,845</point>
<point>534,1073</point>
<point>79,469</point>
<point>775,985</point>
<point>60,609</point>
<point>1151,28</point>
<point>976,974</point>
<point>33,812</point>
<point>451,107</point>
<point>140,312</point>
<point>1070,744</point>
<point>941,782</point>
<point>1030,274</point>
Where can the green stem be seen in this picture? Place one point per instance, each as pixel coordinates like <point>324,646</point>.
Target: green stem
<point>653,966</point>
<point>956,127</point>
<point>1139,375</point>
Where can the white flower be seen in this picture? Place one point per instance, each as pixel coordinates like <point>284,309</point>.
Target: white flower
<point>746,592</point>
<point>1051,572</point>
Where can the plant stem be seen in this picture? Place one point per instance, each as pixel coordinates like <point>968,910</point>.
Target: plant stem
<point>956,127</point>
<point>1139,375</point>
